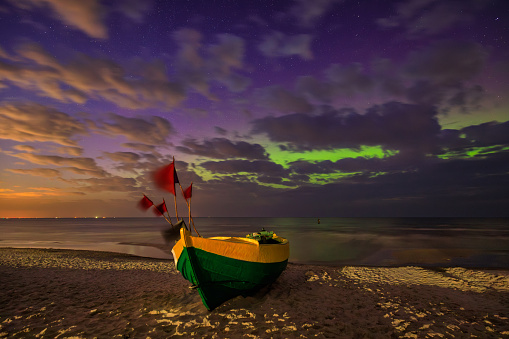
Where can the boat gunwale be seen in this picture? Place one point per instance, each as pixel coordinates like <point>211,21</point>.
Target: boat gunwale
<point>240,240</point>
<point>250,250</point>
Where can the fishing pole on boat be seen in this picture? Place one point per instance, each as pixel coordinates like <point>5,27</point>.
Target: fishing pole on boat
<point>161,209</point>
<point>187,194</point>
<point>174,178</point>
<point>145,203</point>
<point>176,210</point>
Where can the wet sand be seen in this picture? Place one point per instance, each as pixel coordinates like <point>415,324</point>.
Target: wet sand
<point>86,294</point>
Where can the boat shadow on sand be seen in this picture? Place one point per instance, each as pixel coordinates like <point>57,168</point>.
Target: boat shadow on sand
<point>191,303</point>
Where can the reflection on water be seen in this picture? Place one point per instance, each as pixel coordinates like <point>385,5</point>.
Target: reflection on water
<point>133,249</point>
<point>481,242</point>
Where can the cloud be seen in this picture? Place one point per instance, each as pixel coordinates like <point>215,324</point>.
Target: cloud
<point>446,62</point>
<point>41,172</point>
<point>349,80</point>
<point>221,148</point>
<point>198,66</point>
<point>134,9</point>
<point>132,162</point>
<point>139,85</point>
<point>471,153</point>
<point>225,57</point>
<point>393,126</point>
<point>35,122</point>
<point>440,74</point>
<point>125,157</point>
<point>277,45</point>
<point>428,17</point>
<point>112,184</point>
<point>41,192</point>
<point>74,151</point>
<point>139,147</point>
<point>346,81</point>
<point>151,131</point>
<point>190,68</point>
<point>237,166</point>
<point>309,12</point>
<point>306,167</point>
<point>487,134</point>
<point>86,16</point>
<point>282,100</point>
<point>314,89</point>
<point>78,165</point>
<point>84,78</point>
<point>3,53</point>
<point>25,148</point>
<point>220,131</point>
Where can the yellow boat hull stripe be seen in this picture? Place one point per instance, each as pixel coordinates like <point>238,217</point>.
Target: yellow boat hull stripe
<point>234,247</point>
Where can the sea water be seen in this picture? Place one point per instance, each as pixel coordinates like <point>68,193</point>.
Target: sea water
<point>467,242</point>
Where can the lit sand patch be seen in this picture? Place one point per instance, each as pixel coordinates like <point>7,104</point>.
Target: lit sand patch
<point>443,310</point>
<point>72,259</point>
<point>455,278</point>
<point>482,279</point>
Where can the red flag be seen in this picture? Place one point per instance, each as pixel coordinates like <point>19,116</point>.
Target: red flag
<point>160,209</point>
<point>188,192</point>
<point>166,178</point>
<point>145,203</point>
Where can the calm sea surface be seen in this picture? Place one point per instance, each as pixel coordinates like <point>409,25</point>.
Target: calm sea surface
<point>467,242</point>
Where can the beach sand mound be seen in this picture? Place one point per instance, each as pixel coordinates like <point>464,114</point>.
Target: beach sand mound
<point>82,294</point>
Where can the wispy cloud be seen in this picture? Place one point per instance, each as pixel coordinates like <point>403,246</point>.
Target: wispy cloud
<point>278,45</point>
<point>152,130</point>
<point>222,148</point>
<point>74,151</point>
<point>25,148</point>
<point>309,12</point>
<point>86,16</point>
<point>86,77</point>
<point>80,165</point>
<point>113,184</point>
<point>282,100</point>
<point>238,166</point>
<point>199,65</point>
<point>35,122</point>
<point>42,172</point>
<point>428,17</point>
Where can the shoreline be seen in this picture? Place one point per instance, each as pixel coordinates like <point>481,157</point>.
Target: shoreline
<point>143,250</point>
<point>62,293</point>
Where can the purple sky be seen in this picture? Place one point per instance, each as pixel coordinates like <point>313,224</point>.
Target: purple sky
<point>271,108</point>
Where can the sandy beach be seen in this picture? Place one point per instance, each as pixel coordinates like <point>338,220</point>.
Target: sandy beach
<point>85,294</point>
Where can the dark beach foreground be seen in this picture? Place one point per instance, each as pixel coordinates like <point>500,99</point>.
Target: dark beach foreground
<point>83,294</point>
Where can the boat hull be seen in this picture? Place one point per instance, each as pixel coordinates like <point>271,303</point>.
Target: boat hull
<point>219,269</point>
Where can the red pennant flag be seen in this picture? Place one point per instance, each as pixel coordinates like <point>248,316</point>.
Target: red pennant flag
<point>166,178</point>
<point>145,203</point>
<point>160,209</point>
<point>188,192</point>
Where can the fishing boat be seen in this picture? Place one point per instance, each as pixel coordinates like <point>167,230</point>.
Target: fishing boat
<point>221,268</point>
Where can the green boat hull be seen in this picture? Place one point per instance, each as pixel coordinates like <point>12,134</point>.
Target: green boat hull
<point>219,278</point>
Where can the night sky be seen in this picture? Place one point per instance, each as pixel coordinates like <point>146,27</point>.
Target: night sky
<point>315,108</point>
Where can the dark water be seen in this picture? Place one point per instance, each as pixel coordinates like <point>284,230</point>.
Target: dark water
<point>467,242</point>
